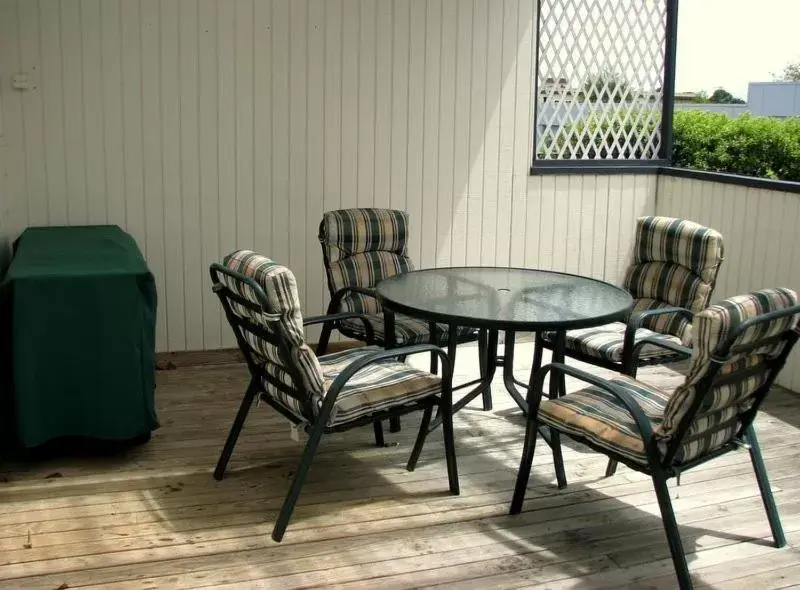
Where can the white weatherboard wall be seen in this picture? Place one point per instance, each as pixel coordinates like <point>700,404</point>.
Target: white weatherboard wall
<point>760,234</point>
<point>202,126</point>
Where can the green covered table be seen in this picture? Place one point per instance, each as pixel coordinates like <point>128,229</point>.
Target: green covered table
<point>83,312</point>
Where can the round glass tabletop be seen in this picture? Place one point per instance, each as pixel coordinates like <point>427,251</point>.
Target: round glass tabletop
<point>504,298</point>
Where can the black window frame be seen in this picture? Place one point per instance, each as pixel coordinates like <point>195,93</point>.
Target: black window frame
<point>542,167</point>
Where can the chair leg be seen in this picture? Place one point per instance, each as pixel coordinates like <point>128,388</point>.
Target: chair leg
<point>558,459</point>
<point>377,426</point>
<point>673,534</point>
<point>236,428</point>
<point>766,490</point>
<point>394,421</point>
<point>483,363</point>
<point>524,473</point>
<point>450,446</point>
<point>611,468</point>
<point>421,436</point>
<point>297,483</point>
<point>324,338</point>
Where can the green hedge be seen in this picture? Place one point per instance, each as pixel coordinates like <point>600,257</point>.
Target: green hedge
<point>751,146</point>
<point>586,137</point>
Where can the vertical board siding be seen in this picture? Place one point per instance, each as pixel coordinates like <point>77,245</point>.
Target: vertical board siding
<point>759,228</point>
<point>584,224</point>
<point>201,126</point>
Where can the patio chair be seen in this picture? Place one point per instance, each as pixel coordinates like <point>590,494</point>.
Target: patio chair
<point>325,394</point>
<point>361,247</point>
<point>672,276</point>
<point>740,346</point>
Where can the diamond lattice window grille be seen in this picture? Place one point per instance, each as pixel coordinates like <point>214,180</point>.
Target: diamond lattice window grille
<point>600,79</point>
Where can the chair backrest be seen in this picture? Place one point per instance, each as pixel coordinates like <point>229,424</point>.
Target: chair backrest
<point>261,303</point>
<point>361,247</point>
<point>740,346</point>
<point>675,264</point>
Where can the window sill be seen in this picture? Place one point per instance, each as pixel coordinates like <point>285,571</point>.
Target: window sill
<point>598,167</point>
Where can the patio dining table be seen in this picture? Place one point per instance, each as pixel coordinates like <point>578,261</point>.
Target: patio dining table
<point>495,299</point>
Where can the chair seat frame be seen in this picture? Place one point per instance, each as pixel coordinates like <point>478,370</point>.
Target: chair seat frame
<point>662,465</point>
<point>316,420</point>
<point>437,337</point>
<point>631,351</point>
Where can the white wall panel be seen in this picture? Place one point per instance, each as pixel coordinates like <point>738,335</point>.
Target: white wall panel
<point>759,228</point>
<point>201,126</point>
<point>585,224</point>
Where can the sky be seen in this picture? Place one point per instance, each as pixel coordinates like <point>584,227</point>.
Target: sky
<point>729,43</point>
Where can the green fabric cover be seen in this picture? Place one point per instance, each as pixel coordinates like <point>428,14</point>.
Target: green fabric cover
<point>83,313</point>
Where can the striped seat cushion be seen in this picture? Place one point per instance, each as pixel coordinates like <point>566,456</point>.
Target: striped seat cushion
<point>679,241</point>
<point>607,342</point>
<point>378,387</point>
<point>597,416</point>
<point>675,264</point>
<point>361,247</point>
<point>600,418</point>
<point>407,330</point>
<point>279,286</point>
<point>717,419</point>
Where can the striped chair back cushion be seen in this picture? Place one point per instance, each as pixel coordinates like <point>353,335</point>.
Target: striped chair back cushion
<point>675,264</point>
<point>280,288</point>
<point>361,247</point>
<point>718,417</point>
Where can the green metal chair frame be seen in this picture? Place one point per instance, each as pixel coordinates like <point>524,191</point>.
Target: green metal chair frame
<point>437,335</point>
<point>662,466</point>
<point>315,428</point>
<point>631,351</point>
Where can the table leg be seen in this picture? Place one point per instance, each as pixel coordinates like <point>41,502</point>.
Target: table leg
<point>452,345</point>
<point>557,389</point>
<point>508,373</point>
<point>433,338</point>
<point>481,384</point>
<point>390,342</point>
<point>483,363</point>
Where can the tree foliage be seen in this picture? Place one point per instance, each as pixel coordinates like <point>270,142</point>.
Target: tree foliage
<point>722,96</point>
<point>752,146</point>
<point>763,147</point>
<point>594,137</point>
<point>790,73</point>
<point>607,86</point>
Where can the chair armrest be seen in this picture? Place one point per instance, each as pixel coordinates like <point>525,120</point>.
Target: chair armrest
<point>671,346</point>
<point>635,410</point>
<point>336,300</point>
<point>637,318</point>
<point>336,317</point>
<point>630,350</point>
<point>363,362</point>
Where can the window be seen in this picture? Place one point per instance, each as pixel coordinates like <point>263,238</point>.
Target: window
<point>604,68</point>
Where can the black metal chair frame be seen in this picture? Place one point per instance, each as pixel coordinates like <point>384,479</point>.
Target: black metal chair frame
<point>662,466</point>
<point>389,342</point>
<point>631,351</point>
<point>318,426</point>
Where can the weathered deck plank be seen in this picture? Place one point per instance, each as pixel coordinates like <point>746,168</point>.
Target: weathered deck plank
<point>154,517</point>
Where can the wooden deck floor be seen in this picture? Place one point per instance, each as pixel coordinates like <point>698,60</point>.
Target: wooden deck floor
<point>155,518</point>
